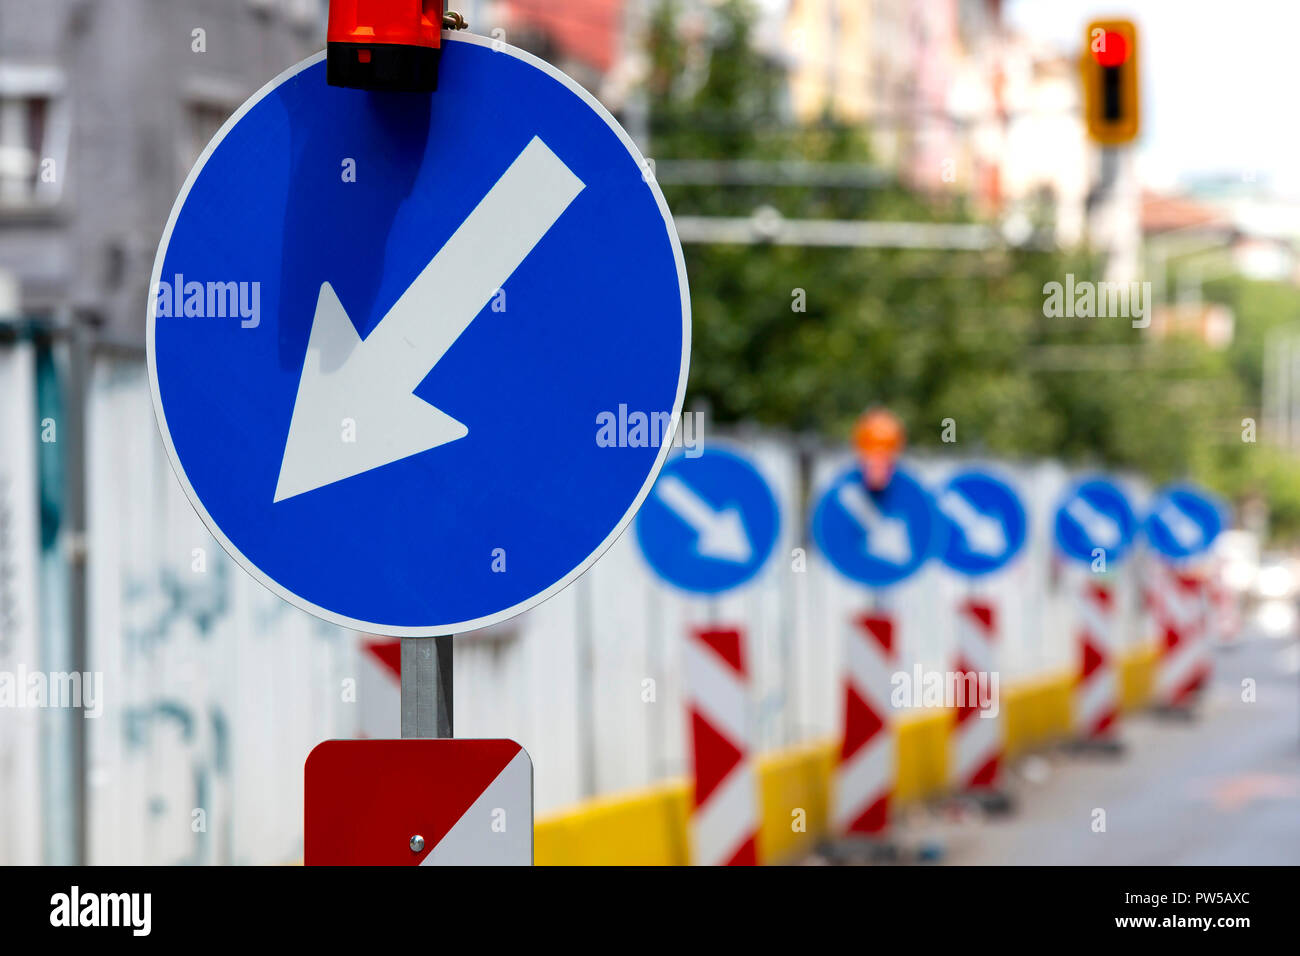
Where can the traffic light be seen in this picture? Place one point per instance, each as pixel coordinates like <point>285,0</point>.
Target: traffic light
<point>1110,82</point>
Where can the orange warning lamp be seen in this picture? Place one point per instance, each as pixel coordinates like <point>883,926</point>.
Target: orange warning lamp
<point>384,44</point>
<point>878,439</point>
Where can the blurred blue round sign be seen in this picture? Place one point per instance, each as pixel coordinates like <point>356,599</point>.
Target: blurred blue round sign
<point>710,523</point>
<point>876,538</point>
<point>1095,515</point>
<point>1183,522</point>
<point>986,523</point>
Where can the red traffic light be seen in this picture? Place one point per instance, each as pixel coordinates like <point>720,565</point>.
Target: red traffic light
<point>1109,66</point>
<point>1112,50</point>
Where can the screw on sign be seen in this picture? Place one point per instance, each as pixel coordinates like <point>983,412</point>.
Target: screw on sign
<point>418,803</point>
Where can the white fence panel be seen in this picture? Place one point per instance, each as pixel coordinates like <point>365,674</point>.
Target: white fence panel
<point>215,689</point>
<point>21,821</point>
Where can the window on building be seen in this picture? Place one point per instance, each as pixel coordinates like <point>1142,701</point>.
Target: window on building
<point>202,120</point>
<point>307,13</point>
<point>33,137</point>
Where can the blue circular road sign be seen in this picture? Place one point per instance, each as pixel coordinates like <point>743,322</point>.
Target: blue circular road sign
<point>876,538</point>
<point>1094,515</point>
<point>710,523</point>
<point>389,332</point>
<point>1183,522</point>
<point>986,523</point>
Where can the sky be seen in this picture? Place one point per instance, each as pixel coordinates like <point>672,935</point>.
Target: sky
<point>1220,82</point>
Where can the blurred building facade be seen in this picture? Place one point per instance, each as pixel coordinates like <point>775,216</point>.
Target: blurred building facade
<point>956,102</point>
<point>104,107</point>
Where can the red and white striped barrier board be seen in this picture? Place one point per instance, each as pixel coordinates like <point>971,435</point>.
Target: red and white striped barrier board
<point>1096,695</point>
<point>977,741</point>
<point>1151,582</point>
<point>1184,665</point>
<point>1225,613</point>
<point>724,817</point>
<point>379,687</point>
<point>865,776</point>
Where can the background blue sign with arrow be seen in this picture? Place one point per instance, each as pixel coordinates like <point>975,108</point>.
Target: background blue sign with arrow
<point>710,523</point>
<point>986,523</point>
<point>1095,514</point>
<point>876,538</point>
<point>393,422</point>
<point>1183,522</point>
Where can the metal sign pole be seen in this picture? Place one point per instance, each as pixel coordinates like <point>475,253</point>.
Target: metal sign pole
<point>427,687</point>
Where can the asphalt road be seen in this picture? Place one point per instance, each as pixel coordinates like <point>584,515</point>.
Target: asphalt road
<point>1223,788</point>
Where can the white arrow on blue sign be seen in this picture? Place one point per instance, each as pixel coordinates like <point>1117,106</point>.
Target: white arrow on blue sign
<point>385,329</point>
<point>1095,515</point>
<point>710,523</point>
<point>1183,522</point>
<point>986,523</point>
<point>876,538</point>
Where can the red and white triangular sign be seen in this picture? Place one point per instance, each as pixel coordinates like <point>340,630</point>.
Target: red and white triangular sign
<point>418,801</point>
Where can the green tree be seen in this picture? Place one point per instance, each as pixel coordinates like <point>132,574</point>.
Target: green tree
<point>933,334</point>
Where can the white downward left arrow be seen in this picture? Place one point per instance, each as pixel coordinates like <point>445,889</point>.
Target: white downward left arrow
<point>371,382</point>
<point>720,534</point>
<point>984,535</point>
<point>887,536</point>
<point>1186,531</point>
<point>1101,528</point>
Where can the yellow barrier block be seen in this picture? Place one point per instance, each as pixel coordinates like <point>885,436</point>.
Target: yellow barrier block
<point>1137,671</point>
<point>646,828</point>
<point>1056,710</point>
<point>922,755</point>
<point>802,778</point>
<point>650,827</point>
<point>794,790</point>
<point>1018,705</point>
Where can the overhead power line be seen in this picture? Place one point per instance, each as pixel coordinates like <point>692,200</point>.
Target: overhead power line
<point>768,227</point>
<point>760,172</point>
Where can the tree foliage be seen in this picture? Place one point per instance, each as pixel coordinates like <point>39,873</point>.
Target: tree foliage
<point>933,334</point>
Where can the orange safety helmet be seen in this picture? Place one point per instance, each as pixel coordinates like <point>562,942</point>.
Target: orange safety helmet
<point>878,440</point>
